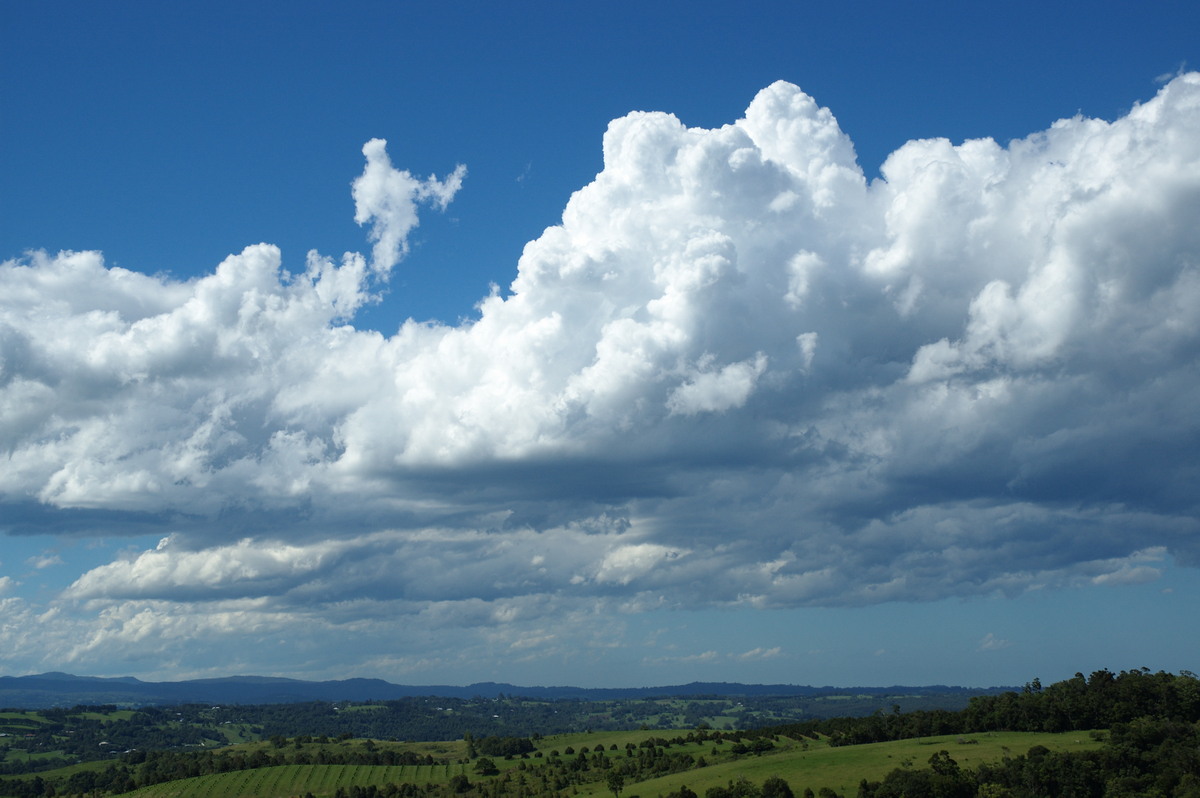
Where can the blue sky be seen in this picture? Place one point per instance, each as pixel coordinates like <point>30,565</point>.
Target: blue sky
<point>745,403</point>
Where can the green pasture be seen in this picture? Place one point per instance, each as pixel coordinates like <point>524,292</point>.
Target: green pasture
<point>802,763</point>
<point>233,733</point>
<point>287,780</point>
<point>117,714</point>
<point>22,722</point>
<point>20,755</point>
<point>843,767</point>
<point>61,773</point>
<point>578,740</point>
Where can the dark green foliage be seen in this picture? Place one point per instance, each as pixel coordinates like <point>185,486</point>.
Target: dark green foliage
<point>1146,757</point>
<point>1097,702</point>
<point>1077,704</point>
<point>776,787</point>
<point>504,746</point>
<point>682,792</point>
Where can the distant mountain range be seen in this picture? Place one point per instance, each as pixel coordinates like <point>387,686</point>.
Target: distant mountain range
<point>64,689</point>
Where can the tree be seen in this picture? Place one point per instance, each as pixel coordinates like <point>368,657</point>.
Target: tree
<point>486,767</point>
<point>744,788</point>
<point>776,787</point>
<point>616,782</point>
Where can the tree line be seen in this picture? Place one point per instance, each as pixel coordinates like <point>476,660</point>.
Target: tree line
<point>1146,758</point>
<point>1078,704</point>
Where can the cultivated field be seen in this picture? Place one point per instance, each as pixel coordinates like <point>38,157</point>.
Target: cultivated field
<point>803,764</point>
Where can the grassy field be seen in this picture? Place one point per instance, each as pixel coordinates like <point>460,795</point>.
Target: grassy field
<point>802,764</point>
<point>22,715</point>
<point>288,780</point>
<point>20,722</point>
<point>842,768</point>
<point>108,716</point>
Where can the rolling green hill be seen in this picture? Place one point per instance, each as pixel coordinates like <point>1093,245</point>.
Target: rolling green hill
<point>289,780</point>
<point>1026,744</point>
<point>812,764</point>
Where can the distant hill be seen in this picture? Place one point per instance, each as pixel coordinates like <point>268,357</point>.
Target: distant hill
<point>64,689</point>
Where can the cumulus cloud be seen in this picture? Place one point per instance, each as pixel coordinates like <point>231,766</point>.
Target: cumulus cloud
<point>388,197</point>
<point>736,373</point>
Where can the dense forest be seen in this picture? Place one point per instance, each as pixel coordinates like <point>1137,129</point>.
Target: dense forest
<point>1144,724</point>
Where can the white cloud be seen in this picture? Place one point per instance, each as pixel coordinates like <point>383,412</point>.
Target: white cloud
<point>992,643</point>
<point>388,197</point>
<point>704,657</point>
<point>629,562</point>
<point>736,374</point>
<point>1130,570</point>
<point>717,391</point>
<point>246,567</point>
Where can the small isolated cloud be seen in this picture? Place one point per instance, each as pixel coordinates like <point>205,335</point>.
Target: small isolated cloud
<point>759,654</point>
<point>685,659</point>
<point>7,584</point>
<point>1136,575</point>
<point>992,643</point>
<point>1167,77</point>
<point>387,198</point>
<point>534,640</point>
<point>41,561</point>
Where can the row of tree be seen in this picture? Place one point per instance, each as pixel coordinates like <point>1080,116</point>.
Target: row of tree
<point>1147,758</point>
<point>1080,703</point>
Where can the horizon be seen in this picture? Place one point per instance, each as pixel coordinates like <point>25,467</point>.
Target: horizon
<point>530,686</point>
<point>558,344</point>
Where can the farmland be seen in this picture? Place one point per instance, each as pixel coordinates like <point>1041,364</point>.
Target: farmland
<point>1127,734</point>
<point>811,765</point>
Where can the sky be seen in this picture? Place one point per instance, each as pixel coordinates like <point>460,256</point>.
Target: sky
<point>610,344</point>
